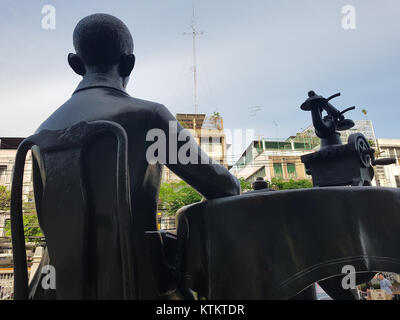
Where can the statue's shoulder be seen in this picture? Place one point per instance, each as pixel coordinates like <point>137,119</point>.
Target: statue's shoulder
<point>146,106</point>
<point>144,103</point>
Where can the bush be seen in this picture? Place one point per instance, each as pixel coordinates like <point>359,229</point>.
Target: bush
<point>280,184</point>
<point>5,198</point>
<point>175,195</point>
<point>31,227</point>
<point>245,185</point>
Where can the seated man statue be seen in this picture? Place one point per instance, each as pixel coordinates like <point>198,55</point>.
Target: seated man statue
<point>104,58</point>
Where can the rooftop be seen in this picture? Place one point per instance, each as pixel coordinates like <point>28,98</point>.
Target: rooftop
<point>10,142</point>
<point>199,121</point>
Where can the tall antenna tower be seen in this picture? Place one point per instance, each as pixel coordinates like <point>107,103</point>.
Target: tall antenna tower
<point>194,34</point>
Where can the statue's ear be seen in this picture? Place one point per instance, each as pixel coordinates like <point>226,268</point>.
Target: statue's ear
<point>126,65</point>
<point>76,63</point>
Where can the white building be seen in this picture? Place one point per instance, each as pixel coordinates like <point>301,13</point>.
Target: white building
<point>8,151</point>
<point>273,159</point>
<point>281,159</point>
<point>388,176</point>
<point>360,126</point>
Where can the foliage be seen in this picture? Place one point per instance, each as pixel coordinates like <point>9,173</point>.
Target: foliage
<point>215,115</point>
<point>5,197</point>
<point>215,119</point>
<point>31,223</point>
<point>364,112</point>
<point>245,185</point>
<point>280,184</point>
<point>175,195</point>
<point>31,227</point>
<point>371,142</point>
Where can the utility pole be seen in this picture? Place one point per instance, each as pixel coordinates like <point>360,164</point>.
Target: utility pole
<point>194,34</point>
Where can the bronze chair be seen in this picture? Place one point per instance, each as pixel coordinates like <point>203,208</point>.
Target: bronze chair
<point>67,145</point>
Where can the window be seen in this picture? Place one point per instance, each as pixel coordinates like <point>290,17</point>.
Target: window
<point>281,145</point>
<point>278,172</point>
<point>3,172</point>
<point>397,178</point>
<point>291,170</point>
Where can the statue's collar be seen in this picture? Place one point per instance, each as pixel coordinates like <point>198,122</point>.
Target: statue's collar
<point>97,80</point>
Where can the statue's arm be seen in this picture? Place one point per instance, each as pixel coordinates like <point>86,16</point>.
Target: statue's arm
<point>210,179</point>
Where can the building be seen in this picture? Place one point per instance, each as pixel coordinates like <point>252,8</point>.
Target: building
<point>367,129</point>
<point>8,151</point>
<point>385,176</point>
<point>362,126</point>
<point>388,176</point>
<point>274,159</point>
<point>281,159</point>
<point>208,133</point>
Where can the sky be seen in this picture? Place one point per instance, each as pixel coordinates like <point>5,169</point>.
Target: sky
<point>252,53</point>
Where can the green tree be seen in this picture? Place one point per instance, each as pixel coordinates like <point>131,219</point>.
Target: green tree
<point>30,220</point>
<point>215,119</point>
<point>32,230</point>
<point>5,197</point>
<point>245,185</point>
<point>175,195</point>
<point>364,112</point>
<point>280,184</point>
<point>371,142</point>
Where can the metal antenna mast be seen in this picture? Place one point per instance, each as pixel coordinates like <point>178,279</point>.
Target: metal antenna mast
<point>194,34</point>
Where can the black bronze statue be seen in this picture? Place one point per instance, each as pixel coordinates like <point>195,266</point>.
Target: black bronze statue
<point>83,236</point>
<point>96,197</point>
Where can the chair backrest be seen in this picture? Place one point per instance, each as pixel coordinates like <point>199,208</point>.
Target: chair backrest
<point>66,197</point>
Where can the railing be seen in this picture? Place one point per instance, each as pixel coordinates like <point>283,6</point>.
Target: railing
<point>167,223</point>
<point>6,283</point>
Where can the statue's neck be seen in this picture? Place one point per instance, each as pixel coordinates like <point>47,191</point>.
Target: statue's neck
<point>92,79</point>
<point>103,76</point>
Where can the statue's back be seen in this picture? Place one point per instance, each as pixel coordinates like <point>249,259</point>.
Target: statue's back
<point>86,214</point>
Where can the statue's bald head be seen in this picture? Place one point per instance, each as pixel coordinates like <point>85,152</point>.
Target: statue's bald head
<point>101,39</point>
